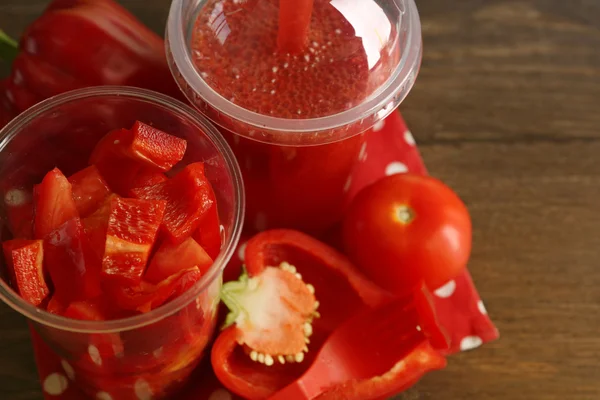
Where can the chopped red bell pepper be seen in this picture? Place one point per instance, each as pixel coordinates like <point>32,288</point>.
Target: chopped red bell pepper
<point>54,204</point>
<point>25,261</point>
<point>146,177</point>
<point>145,296</point>
<point>19,212</point>
<point>171,258</point>
<point>55,306</point>
<point>86,311</point>
<point>188,197</point>
<point>132,228</point>
<point>89,190</point>
<point>118,50</point>
<point>96,224</point>
<point>116,169</point>
<point>339,287</point>
<point>208,234</point>
<point>154,147</point>
<point>73,266</point>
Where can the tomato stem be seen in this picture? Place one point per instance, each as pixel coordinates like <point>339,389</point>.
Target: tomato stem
<point>404,214</point>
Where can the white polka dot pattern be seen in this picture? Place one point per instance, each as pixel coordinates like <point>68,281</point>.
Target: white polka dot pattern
<point>103,396</point>
<point>409,139</point>
<point>446,291</point>
<point>481,307</point>
<point>242,251</point>
<point>68,369</point>
<point>362,154</point>
<point>55,384</point>
<point>95,355</point>
<point>143,390</point>
<point>470,343</point>
<point>395,167</point>
<point>378,126</point>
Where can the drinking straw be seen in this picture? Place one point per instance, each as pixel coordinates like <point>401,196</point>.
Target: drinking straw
<point>294,24</point>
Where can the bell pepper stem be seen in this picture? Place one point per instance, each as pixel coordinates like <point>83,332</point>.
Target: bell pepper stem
<point>8,48</point>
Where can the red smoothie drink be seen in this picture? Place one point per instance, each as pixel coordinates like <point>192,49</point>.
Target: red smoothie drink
<point>295,118</point>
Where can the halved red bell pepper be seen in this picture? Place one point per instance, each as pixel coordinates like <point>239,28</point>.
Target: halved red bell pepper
<point>188,197</point>
<point>171,258</point>
<point>86,43</point>
<point>89,190</point>
<point>25,260</point>
<point>132,228</point>
<point>338,286</point>
<point>54,204</point>
<point>73,266</point>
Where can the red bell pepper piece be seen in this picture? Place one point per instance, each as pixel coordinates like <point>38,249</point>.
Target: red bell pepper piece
<point>171,258</point>
<point>89,190</point>
<point>132,228</point>
<point>188,197</point>
<point>208,234</point>
<point>154,147</point>
<point>116,169</point>
<point>404,374</point>
<point>145,296</point>
<point>339,287</point>
<point>25,260</point>
<point>18,205</point>
<point>54,204</point>
<point>96,224</point>
<point>146,177</point>
<point>73,266</point>
<point>86,43</point>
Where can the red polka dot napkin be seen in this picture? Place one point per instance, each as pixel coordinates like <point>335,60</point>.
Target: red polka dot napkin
<point>390,149</point>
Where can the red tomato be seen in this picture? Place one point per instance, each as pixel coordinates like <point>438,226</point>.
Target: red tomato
<point>405,228</point>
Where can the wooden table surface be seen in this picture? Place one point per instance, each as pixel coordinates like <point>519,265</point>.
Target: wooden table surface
<point>506,110</point>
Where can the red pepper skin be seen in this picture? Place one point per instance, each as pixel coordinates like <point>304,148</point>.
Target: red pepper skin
<point>54,204</point>
<point>72,264</point>
<point>80,43</point>
<point>422,359</point>
<point>154,147</point>
<point>339,287</point>
<point>188,197</point>
<point>25,259</point>
<point>89,190</point>
<point>131,232</point>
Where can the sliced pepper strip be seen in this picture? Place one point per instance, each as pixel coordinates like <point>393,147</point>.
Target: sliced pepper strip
<point>408,371</point>
<point>339,287</point>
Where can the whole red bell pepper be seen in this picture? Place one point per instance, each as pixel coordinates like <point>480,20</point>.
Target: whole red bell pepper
<point>80,43</point>
<point>341,291</point>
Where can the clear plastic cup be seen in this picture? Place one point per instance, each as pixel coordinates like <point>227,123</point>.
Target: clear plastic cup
<point>296,170</point>
<point>148,356</point>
